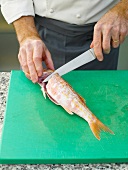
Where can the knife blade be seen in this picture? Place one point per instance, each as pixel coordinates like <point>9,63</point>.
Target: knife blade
<point>82,59</point>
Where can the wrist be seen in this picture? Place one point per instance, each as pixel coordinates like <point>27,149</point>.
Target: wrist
<point>25,29</point>
<point>122,8</point>
<point>27,37</point>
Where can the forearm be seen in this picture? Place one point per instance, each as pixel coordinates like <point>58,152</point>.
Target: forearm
<point>122,8</point>
<point>124,1</point>
<point>25,28</point>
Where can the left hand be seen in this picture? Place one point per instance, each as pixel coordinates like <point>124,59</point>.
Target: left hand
<point>111,29</point>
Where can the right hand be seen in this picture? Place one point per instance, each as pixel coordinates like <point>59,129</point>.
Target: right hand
<point>31,54</point>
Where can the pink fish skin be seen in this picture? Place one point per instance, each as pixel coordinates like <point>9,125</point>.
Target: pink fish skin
<point>61,93</point>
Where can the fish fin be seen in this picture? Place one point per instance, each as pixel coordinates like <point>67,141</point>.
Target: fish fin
<point>82,98</point>
<point>44,94</point>
<point>97,126</point>
<point>43,91</point>
<point>67,110</point>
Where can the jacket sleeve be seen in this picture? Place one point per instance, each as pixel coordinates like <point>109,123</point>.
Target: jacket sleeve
<point>14,9</point>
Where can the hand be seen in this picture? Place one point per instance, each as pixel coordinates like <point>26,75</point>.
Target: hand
<point>31,54</point>
<point>32,50</point>
<point>111,29</point>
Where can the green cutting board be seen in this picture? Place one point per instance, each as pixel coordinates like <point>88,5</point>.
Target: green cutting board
<point>38,131</point>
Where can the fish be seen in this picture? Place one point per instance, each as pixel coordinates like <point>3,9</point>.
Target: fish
<point>61,93</point>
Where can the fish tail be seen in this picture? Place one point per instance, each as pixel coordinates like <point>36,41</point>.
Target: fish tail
<point>97,126</point>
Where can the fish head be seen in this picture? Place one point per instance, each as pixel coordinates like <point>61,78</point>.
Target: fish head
<point>43,85</point>
<point>45,74</point>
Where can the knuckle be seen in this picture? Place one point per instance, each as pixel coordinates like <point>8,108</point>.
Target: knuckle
<point>24,65</point>
<point>37,43</point>
<point>33,75</point>
<point>38,49</point>
<point>30,62</point>
<point>36,58</point>
<point>29,54</point>
<point>97,44</point>
<point>22,50</point>
<point>123,32</point>
<point>115,29</point>
<point>107,28</point>
<point>98,27</point>
<point>28,46</point>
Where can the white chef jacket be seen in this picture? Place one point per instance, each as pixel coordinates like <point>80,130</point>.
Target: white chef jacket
<point>78,12</point>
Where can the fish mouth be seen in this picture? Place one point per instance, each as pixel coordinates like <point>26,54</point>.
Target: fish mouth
<point>43,84</point>
<point>46,73</point>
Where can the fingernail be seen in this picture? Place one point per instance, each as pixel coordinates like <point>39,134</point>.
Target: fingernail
<point>39,74</point>
<point>100,59</point>
<point>107,51</point>
<point>34,80</point>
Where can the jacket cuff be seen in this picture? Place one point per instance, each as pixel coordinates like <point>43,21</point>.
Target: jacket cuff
<point>13,10</point>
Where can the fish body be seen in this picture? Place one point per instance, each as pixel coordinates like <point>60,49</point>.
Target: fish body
<point>61,93</point>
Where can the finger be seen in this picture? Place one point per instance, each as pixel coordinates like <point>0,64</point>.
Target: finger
<point>31,66</point>
<point>106,41</point>
<point>97,42</point>
<point>19,58</point>
<point>123,33</point>
<point>37,58</point>
<point>115,37</point>
<point>28,75</point>
<point>48,60</point>
<point>115,42</point>
<point>26,72</point>
<point>122,38</point>
<point>23,60</point>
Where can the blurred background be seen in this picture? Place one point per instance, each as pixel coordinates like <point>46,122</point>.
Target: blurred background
<point>9,49</point>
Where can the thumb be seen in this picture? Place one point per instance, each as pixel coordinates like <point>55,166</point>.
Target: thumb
<point>92,45</point>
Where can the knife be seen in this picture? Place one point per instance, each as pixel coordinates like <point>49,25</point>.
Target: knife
<point>82,59</point>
